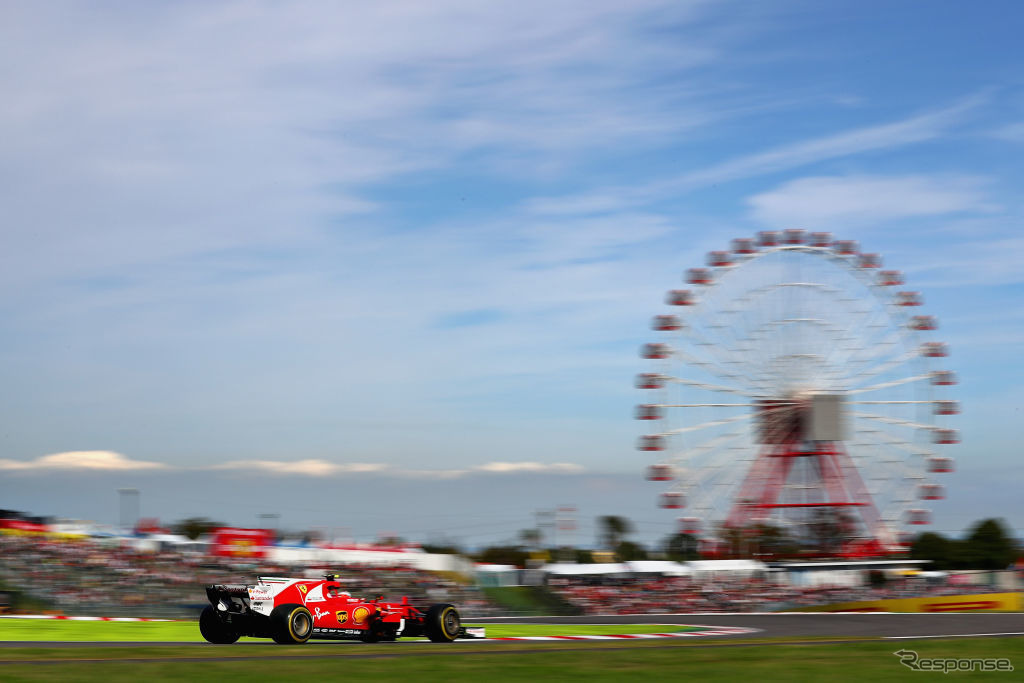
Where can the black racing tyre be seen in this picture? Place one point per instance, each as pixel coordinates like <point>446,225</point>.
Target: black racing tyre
<point>291,624</point>
<point>442,623</point>
<point>215,630</point>
<point>380,632</point>
<point>373,634</point>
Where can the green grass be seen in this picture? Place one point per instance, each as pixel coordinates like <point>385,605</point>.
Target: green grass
<point>28,630</point>
<point>594,661</point>
<point>517,630</point>
<point>86,631</point>
<point>528,600</point>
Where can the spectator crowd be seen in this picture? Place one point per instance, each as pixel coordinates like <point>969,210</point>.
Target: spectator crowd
<point>646,595</point>
<point>115,577</point>
<point>112,577</point>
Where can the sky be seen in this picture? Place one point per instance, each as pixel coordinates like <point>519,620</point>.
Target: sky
<point>385,267</point>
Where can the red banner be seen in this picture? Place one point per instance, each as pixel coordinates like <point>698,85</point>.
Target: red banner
<point>20,526</point>
<point>229,542</point>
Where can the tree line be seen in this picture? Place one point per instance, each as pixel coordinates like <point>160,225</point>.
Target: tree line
<point>989,544</point>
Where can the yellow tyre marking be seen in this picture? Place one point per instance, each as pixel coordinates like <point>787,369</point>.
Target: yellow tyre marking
<point>296,638</point>
<point>444,625</point>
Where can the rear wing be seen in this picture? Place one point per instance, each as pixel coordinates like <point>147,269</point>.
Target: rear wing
<point>228,597</point>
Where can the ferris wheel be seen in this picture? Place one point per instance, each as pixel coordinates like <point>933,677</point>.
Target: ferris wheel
<point>794,379</point>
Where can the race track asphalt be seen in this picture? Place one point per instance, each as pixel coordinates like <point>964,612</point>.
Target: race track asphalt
<point>788,625</point>
<point>817,625</point>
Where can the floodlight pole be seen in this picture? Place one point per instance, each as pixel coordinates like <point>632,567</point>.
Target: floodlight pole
<point>128,496</point>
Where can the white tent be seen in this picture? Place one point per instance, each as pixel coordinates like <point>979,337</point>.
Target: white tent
<point>597,569</point>
<point>663,567</point>
<point>726,568</point>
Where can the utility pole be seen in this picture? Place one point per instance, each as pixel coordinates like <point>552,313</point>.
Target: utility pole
<point>565,527</point>
<point>545,520</point>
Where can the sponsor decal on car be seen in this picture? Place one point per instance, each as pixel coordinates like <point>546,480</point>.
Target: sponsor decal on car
<point>342,616</point>
<point>339,631</point>
<point>317,613</point>
<point>359,614</point>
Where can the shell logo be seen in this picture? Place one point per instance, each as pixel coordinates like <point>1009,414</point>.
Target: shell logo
<point>359,615</point>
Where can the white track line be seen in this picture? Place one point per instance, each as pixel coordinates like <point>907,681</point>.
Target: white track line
<point>705,631</point>
<point>956,635</point>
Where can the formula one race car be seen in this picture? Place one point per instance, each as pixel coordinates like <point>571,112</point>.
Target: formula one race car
<point>292,611</point>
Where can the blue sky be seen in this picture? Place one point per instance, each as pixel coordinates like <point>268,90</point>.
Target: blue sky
<point>409,241</point>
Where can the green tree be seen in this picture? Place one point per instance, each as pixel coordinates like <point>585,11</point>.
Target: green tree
<point>680,547</point>
<point>628,551</point>
<point>194,527</point>
<point>827,529</point>
<point>582,556</point>
<point>935,547</point>
<point>442,546</point>
<point>733,541</point>
<point>531,538</point>
<point>990,546</point>
<point>613,529</point>
<point>772,542</point>
<point>504,554</point>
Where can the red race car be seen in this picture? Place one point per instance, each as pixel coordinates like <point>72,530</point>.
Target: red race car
<point>291,611</point>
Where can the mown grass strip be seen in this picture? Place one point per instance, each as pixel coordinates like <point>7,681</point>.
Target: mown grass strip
<point>850,661</point>
<point>34,630</point>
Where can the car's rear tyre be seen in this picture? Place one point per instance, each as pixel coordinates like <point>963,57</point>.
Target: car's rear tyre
<point>291,624</point>
<point>372,635</point>
<point>215,630</point>
<point>380,632</point>
<point>442,623</point>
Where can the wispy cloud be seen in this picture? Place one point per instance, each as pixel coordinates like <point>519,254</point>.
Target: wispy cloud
<point>110,462</point>
<point>123,115</point>
<point>844,201</point>
<point>81,460</point>
<point>311,468</point>
<point>989,262</point>
<point>916,129</point>
<point>1013,132</point>
<point>317,468</point>
<point>516,467</point>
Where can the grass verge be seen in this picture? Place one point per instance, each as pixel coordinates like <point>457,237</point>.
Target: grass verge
<point>29,630</point>
<point>874,661</point>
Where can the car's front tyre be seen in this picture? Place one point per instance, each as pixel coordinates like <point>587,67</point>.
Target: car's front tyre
<point>215,630</point>
<point>442,623</point>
